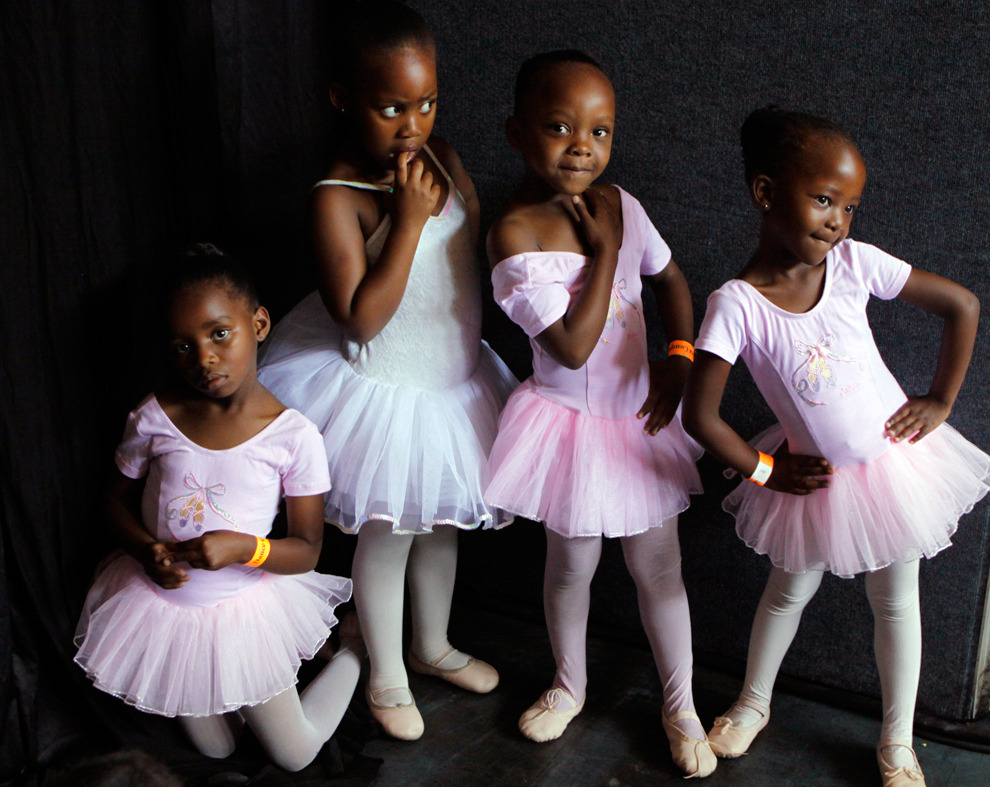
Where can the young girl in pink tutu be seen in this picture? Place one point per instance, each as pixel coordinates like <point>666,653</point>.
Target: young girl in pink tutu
<point>387,356</point>
<point>857,477</point>
<point>572,448</point>
<point>204,617</point>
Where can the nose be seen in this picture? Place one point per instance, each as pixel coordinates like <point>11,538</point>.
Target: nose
<point>580,145</point>
<point>205,356</point>
<point>412,127</point>
<point>837,219</point>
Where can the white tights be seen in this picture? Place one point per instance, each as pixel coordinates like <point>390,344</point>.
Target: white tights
<point>382,563</point>
<point>291,729</point>
<point>893,596</point>
<point>654,561</point>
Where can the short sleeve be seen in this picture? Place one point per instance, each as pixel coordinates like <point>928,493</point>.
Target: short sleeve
<point>883,274</point>
<point>307,471</point>
<point>723,331</point>
<point>534,297</point>
<point>134,452</point>
<point>656,252</point>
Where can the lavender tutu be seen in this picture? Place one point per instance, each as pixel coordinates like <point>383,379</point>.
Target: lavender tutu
<point>402,453</point>
<point>583,475</point>
<point>900,506</point>
<point>177,660</point>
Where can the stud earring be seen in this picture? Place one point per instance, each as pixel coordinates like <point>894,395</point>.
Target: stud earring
<point>766,207</point>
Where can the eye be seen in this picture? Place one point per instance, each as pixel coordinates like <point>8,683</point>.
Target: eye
<point>220,334</point>
<point>601,133</point>
<point>391,112</point>
<point>850,209</point>
<point>180,349</point>
<point>427,107</point>
<point>824,201</point>
<point>558,128</point>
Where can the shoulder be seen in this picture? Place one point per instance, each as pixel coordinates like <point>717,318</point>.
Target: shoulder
<point>512,233</point>
<point>451,162</point>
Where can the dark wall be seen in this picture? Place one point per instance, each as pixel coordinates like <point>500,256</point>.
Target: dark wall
<point>127,129</point>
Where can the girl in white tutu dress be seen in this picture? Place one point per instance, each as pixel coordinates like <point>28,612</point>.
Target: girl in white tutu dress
<point>862,478</point>
<point>572,449</point>
<point>387,356</point>
<point>204,617</point>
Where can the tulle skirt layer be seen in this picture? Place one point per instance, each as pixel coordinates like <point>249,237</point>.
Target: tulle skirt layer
<point>903,505</point>
<point>411,457</point>
<point>181,661</point>
<point>588,476</point>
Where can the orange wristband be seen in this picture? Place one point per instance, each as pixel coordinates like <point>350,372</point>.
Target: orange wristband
<point>681,347</point>
<point>763,470</point>
<point>261,552</point>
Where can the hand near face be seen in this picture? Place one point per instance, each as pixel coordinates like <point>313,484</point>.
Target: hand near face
<point>599,221</point>
<point>416,194</point>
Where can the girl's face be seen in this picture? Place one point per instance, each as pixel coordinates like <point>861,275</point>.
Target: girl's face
<point>214,336</point>
<point>564,131</point>
<point>393,104</point>
<point>811,206</point>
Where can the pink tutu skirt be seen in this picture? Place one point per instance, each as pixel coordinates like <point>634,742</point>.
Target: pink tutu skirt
<point>587,476</point>
<point>904,504</point>
<point>181,661</point>
<point>400,454</point>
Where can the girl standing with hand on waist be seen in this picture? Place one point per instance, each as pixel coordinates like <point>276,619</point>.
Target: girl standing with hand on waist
<point>858,478</point>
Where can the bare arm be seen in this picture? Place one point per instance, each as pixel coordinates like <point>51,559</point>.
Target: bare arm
<point>571,339</point>
<point>360,299</point>
<point>667,376</point>
<point>294,554</point>
<point>124,510</point>
<point>792,473</point>
<point>960,311</point>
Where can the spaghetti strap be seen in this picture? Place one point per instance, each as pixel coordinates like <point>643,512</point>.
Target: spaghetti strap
<point>357,184</point>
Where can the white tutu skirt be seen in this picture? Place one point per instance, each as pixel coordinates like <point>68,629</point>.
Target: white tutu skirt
<point>181,661</point>
<point>903,505</point>
<point>587,476</point>
<point>407,456</point>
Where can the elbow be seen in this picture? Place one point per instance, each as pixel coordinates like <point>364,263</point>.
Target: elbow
<point>573,361</point>
<point>691,424</point>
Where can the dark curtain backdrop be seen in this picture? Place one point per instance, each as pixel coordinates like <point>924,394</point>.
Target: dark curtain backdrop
<point>128,129</point>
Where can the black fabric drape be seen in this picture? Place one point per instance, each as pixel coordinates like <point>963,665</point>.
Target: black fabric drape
<point>128,129</point>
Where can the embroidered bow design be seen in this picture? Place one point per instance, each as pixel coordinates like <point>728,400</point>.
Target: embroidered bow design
<point>190,510</point>
<point>815,373</point>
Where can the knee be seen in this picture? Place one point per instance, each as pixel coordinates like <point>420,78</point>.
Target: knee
<point>790,595</point>
<point>655,573</point>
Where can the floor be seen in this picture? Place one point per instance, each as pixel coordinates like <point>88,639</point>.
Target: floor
<point>617,741</point>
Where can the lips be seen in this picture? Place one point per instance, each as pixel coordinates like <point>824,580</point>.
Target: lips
<point>210,382</point>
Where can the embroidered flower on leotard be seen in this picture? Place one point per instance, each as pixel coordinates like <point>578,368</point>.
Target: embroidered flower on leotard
<point>815,374</point>
<point>190,510</point>
<point>616,317</point>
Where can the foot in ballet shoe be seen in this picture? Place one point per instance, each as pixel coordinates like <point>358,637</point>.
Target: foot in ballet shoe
<point>903,776</point>
<point>728,739</point>
<point>694,756</point>
<point>543,722</point>
<point>477,676</point>
<point>399,721</point>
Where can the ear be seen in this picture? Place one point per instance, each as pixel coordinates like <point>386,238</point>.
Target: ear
<point>513,131</point>
<point>262,323</point>
<point>761,191</point>
<point>339,97</point>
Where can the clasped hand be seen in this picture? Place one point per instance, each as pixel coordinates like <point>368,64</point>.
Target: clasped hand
<point>211,551</point>
<point>600,223</point>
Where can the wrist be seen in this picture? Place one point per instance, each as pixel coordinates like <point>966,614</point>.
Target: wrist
<point>764,467</point>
